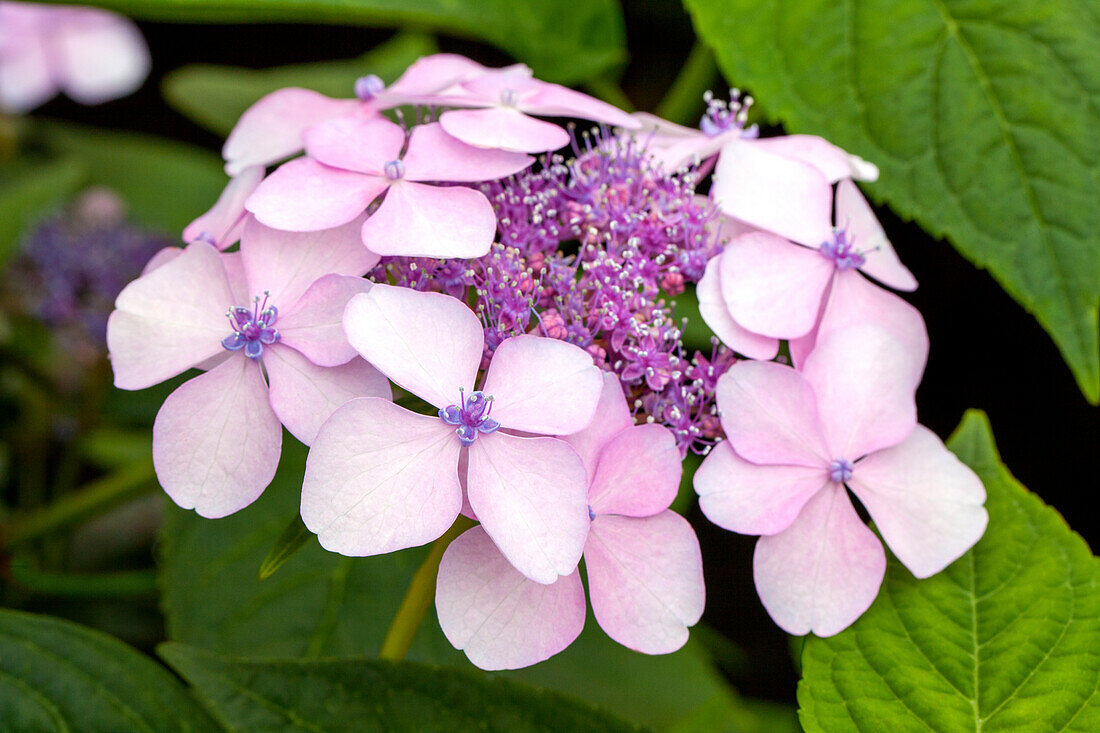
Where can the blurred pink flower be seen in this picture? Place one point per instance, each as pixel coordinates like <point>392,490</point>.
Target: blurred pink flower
<point>89,54</point>
<point>217,438</point>
<point>798,440</point>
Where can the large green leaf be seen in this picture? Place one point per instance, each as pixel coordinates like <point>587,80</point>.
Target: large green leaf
<point>215,96</point>
<point>563,42</point>
<point>322,604</point>
<point>1007,638</point>
<point>166,184</point>
<point>58,676</point>
<point>27,191</point>
<point>364,694</point>
<point>981,115</point>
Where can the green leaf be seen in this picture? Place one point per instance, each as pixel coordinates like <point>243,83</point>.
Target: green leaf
<point>364,694</point>
<point>166,184</point>
<point>562,42</point>
<point>58,676</point>
<point>323,604</point>
<point>1004,639</point>
<point>981,116</point>
<point>29,190</point>
<point>216,96</point>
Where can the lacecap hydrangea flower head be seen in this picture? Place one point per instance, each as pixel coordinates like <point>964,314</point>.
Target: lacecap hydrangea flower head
<point>526,311</point>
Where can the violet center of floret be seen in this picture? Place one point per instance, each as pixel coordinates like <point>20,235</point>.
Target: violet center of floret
<point>394,170</point>
<point>509,98</point>
<point>470,416</point>
<point>368,87</point>
<point>842,251</point>
<point>253,328</point>
<point>840,470</point>
<point>722,116</point>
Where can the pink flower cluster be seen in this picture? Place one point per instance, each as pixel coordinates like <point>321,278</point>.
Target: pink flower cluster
<point>89,54</point>
<point>525,315</point>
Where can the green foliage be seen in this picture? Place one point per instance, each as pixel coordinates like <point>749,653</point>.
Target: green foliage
<point>563,42</point>
<point>27,191</point>
<point>216,96</point>
<point>166,184</point>
<point>322,604</point>
<point>1004,639</point>
<point>364,694</point>
<point>58,676</point>
<point>981,116</point>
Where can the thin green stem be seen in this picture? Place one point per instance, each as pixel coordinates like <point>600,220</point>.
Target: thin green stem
<point>92,499</point>
<point>684,98</point>
<point>418,597</point>
<point>135,583</point>
<point>610,92</point>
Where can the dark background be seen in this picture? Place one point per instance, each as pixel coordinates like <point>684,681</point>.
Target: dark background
<point>986,351</point>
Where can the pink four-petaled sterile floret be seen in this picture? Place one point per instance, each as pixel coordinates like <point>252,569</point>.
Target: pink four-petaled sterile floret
<point>272,128</point>
<point>91,55</point>
<point>217,438</point>
<point>645,572</point>
<point>350,161</point>
<point>798,439</point>
<point>381,478</point>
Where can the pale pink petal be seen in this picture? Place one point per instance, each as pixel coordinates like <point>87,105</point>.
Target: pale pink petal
<point>216,440</point>
<point>673,145</point>
<point>272,128</point>
<point>223,224</point>
<point>865,382</point>
<point>543,385</point>
<point>429,343</point>
<point>712,306</point>
<point>170,319</point>
<point>926,503</point>
<point>501,619</point>
<point>163,256</point>
<point>380,478</point>
<point>305,196</point>
<point>882,263</point>
<point>357,143</point>
<point>238,282</point>
<point>773,192</point>
<point>530,495</point>
<point>835,164</point>
<point>416,220</point>
<point>26,80</point>
<point>752,499</point>
<point>315,324</point>
<point>435,73</point>
<point>772,286</point>
<point>557,101</point>
<point>503,128</point>
<point>854,300</point>
<point>304,395</point>
<point>820,574</point>
<point>638,474</point>
<point>770,415</point>
<point>434,155</point>
<point>645,578</point>
<point>100,56</point>
<point>286,264</point>
<point>612,416</point>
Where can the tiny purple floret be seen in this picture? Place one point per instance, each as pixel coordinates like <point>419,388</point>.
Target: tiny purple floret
<point>722,116</point>
<point>841,250</point>
<point>840,470</point>
<point>394,170</point>
<point>252,329</point>
<point>470,416</point>
<point>368,87</point>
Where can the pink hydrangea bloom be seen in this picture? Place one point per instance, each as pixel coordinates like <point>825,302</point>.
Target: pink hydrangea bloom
<point>380,478</point>
<point>506,98</point>
<point>645,571</point>
<point>217,438</point>
<point>223,224</point>
<point>272,129</point>
<point>798,439</point>
<point>89,54</point>
<point>771,286</point>
<point>352,160</point>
